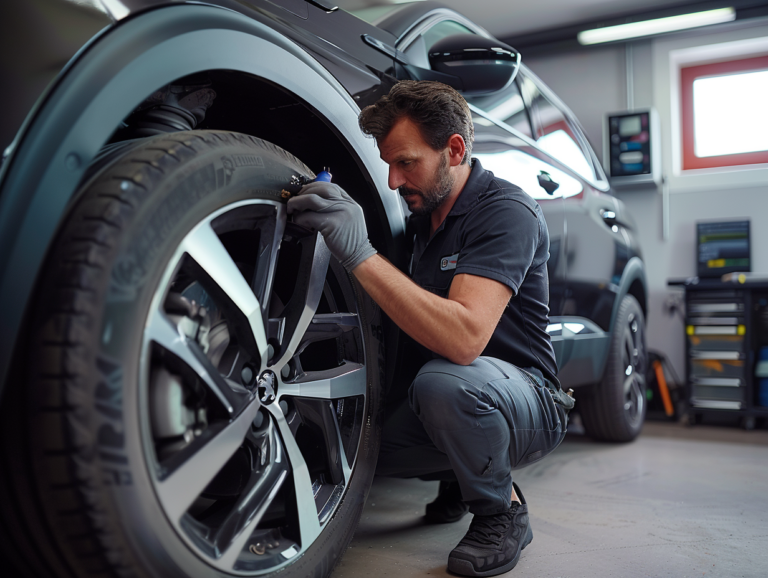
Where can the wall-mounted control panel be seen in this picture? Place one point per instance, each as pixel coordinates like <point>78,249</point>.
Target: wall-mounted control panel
<point>631,147</point>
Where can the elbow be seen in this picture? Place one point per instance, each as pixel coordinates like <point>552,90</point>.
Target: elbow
<point>466,355</point>
<point>463,360</point>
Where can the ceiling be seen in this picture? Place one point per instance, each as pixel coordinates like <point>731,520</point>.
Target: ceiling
<point>509,18</point>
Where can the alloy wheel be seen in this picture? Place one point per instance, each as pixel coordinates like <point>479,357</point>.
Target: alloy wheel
<point>254,384</point>
<point>633,361</point>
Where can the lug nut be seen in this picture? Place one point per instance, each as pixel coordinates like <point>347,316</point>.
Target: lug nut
<point>246,375</point>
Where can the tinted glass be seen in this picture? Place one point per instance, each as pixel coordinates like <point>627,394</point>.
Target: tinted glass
<point>483,126</point>
<point>554,133</point>
<point>508,107</point>
<point>522,169</point>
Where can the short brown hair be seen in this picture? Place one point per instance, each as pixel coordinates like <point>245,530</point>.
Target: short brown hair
<point>437,109</point>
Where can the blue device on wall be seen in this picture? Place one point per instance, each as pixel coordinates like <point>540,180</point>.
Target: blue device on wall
<point>631,147</point>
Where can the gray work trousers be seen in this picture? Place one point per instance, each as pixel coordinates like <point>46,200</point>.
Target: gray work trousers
<point>473,423</point>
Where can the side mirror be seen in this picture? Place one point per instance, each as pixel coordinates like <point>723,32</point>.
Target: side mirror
<point>546,182</point>
<point>481,64</point>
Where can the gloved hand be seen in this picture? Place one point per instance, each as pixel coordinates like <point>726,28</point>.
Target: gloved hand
<point>326,208</point>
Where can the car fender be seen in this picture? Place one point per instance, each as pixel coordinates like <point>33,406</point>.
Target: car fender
<point>103,84</point>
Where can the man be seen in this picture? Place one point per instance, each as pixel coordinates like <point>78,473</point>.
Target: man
<point>482,390</point>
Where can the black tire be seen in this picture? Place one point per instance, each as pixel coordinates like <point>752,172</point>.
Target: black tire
<point>145,363</point>
<point>617,410</point>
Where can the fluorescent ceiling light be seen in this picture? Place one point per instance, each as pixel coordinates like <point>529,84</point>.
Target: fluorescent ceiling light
<point>657,26</point>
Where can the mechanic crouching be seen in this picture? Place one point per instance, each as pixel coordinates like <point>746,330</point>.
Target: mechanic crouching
<point>484,398</point>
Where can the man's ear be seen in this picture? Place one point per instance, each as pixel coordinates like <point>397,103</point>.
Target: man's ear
<point>456,149</point>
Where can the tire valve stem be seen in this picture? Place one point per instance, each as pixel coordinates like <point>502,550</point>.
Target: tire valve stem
<point>298,181</point>
<point>569,393</point>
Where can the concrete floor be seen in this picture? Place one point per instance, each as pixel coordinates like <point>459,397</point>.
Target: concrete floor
<point>678,502</point>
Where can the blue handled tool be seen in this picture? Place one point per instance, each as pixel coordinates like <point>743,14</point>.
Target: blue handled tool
<point>324,176</point>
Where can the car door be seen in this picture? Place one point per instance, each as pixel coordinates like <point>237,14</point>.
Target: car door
<point>596,243</point>
<point>513,158</point>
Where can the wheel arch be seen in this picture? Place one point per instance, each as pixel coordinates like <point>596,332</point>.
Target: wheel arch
<point>107,80</point>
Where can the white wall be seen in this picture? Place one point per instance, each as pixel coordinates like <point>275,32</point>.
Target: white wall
<point>592,82</point>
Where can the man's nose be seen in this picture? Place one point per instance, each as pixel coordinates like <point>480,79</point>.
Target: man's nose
<point>396,179</point>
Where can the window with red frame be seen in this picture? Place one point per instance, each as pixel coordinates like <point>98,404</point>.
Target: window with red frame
<point>724,113</point>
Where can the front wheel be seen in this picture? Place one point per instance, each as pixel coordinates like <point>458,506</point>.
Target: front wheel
<point>617,410</point>
<point>203,388</point>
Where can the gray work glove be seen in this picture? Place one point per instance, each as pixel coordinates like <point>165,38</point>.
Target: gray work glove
<point>326,208</point>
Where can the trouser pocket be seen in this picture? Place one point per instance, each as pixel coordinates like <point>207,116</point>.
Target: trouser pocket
<point>544,442</point>
<point>552,422</point>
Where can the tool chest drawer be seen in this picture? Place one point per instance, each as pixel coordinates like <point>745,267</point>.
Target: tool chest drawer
<point>700,392</point>
<point>717,368</point>
<point>715,343</point>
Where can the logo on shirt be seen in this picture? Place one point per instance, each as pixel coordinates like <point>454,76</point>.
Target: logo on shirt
<point>448,263</point>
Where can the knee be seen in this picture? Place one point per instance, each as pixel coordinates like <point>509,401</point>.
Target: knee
<point>441,398</point>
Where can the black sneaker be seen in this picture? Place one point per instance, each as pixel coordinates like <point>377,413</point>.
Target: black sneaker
<point>492,545</point>
<point>448,506</point>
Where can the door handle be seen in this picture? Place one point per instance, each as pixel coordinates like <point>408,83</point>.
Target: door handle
<point>546,182</point>
<point>608,216</point>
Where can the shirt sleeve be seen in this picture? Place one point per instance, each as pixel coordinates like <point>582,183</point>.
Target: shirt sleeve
<point>499,242</point>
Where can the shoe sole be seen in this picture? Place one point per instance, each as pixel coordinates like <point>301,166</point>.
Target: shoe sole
<point>465,567</point>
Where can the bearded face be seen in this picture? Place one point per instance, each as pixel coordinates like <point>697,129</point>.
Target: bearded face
<point>434,194</point>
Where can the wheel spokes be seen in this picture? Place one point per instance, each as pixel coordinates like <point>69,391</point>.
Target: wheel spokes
<point>168,336</point>
<point>327,326</point>
<point>309,524</point>
<point>266,261</point>
<point>266,480</point>
<point>185,484</point>
<point>347,380</point>
<point>205,248</point>
<point>301,308</point>
<point>211,324</point>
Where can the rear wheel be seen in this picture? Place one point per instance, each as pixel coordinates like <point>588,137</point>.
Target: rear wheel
<point>203,393</point>
<point>617,410</point>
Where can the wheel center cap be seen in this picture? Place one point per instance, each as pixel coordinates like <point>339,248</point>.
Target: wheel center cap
<point>267,387</point>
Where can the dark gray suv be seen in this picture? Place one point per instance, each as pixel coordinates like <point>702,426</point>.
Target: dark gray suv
<point>191,385</point>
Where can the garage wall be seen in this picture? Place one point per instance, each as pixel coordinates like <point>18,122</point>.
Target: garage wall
<point>593,81</point>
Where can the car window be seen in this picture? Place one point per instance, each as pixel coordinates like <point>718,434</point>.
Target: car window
<point>555,133</point>
<point>484,126</point>
<point>508,107</point>
<point>522,169</point>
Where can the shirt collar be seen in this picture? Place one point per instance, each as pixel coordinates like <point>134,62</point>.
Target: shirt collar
<point>478,182</point>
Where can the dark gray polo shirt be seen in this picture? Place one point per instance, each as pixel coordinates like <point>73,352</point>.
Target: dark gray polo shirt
<point>494,230</point>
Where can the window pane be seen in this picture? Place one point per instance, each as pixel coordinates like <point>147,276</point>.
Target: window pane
<point>522,170</point>
<point>508,107</point>
<point>730,115</point>
<point>555,134</point>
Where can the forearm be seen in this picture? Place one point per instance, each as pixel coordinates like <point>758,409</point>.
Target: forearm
<point>441,325</point>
